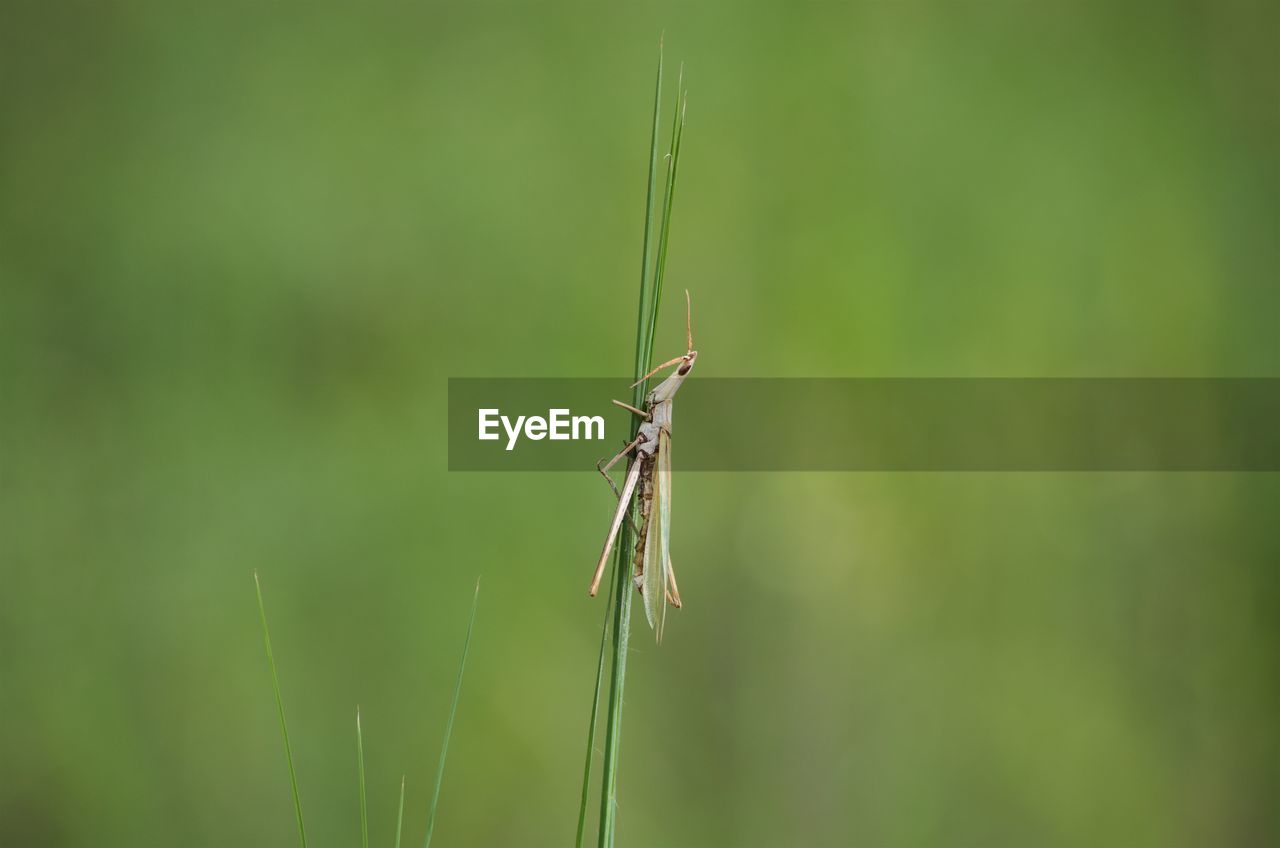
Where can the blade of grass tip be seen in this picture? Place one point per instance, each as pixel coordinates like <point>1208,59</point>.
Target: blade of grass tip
<point>448,727</point>
<point>668,202</point>
<point>595,715</point>
<point>400,815</point>
<point>284,729</point>
<point>364,806</point>
<point>643,355</point>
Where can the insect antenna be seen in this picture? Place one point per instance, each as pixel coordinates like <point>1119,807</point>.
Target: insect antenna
<point>666,364</point>
<point>688,320</point>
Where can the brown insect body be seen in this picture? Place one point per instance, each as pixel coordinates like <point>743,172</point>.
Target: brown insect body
<point>646,509</point>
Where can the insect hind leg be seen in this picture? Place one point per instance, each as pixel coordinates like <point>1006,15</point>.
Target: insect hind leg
<point>604,467</point>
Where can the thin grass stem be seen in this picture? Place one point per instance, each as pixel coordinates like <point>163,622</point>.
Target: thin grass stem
<point>364,805</point>
<point>284,728</point>
<point>652,271</point>
<point>643,311</point>
<point>448,728</point>
<point>400,815</point>
<point>595,715</point>
<point>613,727</point>
<point>668,201</point>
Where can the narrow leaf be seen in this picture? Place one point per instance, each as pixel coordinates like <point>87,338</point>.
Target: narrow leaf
<point>364,807</point>
<point>448,728</point>
<point>595,713</point>
<point>400,815</point>
<point>668,201</point>
<point>284,729</point>
<point>644,314</point>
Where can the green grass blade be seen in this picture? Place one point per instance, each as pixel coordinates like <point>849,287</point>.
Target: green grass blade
<point>644,313</point>
<point>645,320</point>
<point>613,727</point>
<point>284,729</point>
<point>364,805</point>
<point>400,815</point>
<point>448,728</point>
<point>668,201</point>
<point>595,714</point>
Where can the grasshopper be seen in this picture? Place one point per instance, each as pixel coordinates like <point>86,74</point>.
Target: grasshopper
<point>650,474</point>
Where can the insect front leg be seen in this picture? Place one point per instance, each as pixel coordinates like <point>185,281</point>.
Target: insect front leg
<point>632,409</point>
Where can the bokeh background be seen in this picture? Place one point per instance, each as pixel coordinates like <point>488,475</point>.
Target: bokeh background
<point>243,245</point>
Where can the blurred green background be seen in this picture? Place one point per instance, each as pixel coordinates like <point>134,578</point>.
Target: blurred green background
<point>243,245</point>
